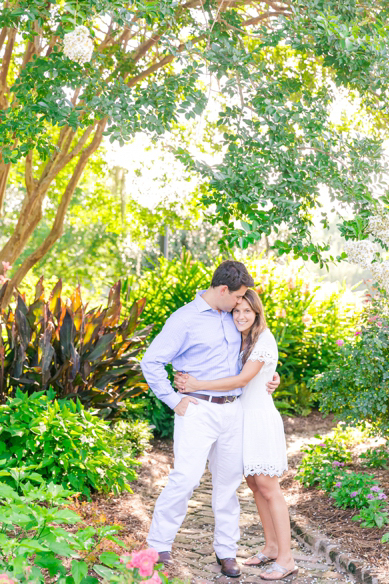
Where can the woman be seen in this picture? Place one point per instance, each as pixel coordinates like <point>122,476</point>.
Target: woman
<point>264,449</point>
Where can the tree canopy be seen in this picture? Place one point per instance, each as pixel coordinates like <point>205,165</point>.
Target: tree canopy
<point>276,65</point>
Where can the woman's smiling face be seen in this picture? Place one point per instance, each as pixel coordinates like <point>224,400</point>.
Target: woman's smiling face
<point>244,316</point>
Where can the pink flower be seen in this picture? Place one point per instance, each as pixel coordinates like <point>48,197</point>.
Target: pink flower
<point>357,333</point>
<point>382,496</point>
<point>353,494</point>
<point>144,561</point>
<point>340,343</point>
<point>4,579</point>
<point>155,579</point>
<point>338,484</point>
<point>370,496</point>
<point>322,444</point>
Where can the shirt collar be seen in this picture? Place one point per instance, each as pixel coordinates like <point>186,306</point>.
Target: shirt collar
<point>200,303</point>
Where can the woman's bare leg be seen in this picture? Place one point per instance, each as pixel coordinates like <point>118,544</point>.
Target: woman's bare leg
<point>270,491</point>
<point>271,545</point>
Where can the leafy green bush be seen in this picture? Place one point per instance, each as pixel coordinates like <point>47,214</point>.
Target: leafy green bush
<point>323,463</point>
<point>136,433</point>
<point>78,352</point>
<point>375,514</point>
<point>62,442</point>
<point>148,407</point>
<point>33,541</point>
<point>352,490</point>
<point>323,467</point>
<point>305,324</point>
<point>35,547</point>
<point>356,384</point>
<point>375,457</point>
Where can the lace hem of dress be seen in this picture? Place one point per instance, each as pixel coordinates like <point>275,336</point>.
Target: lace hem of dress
<point>264,469</point>
<point>264,355</point>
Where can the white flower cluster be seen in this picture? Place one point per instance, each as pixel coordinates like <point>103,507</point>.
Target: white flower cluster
<point>78,46</point>
<point>363,252</point>
<point>379,226</point>
<point>380,272</point>
<point>360,252</point>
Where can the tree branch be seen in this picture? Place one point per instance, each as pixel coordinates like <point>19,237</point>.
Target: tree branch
<point>4,172</point>
<point>168,59</point>
<point>7,59</point>
<point>3,36</point>
<point>57,227</point>
<point>28,173</point>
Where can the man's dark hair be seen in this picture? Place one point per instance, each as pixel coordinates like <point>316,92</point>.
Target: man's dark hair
<point>232,274</point>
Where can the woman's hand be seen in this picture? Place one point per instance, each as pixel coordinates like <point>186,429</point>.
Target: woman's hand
<point>186,383</point>
<point>273,384</point>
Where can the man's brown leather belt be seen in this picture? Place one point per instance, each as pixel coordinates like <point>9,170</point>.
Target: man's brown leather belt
<point>225,399</point>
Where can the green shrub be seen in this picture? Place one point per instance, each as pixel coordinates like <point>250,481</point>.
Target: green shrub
<point>40,542</point>
<point>375,514</point>
<point>136,433</point>
<point>62,442</point>
<point>356,384</point>
<point>323,463</point>
<point>33,540</point>
<point>149,407</point>
<point>375,457</point>
<point>305,324</point>
<point>78,352</point>
<point>352,490</point>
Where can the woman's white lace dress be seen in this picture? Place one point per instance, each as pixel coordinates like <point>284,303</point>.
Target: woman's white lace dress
<point>264,448</point>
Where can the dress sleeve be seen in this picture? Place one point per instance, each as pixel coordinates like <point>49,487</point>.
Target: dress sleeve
<point>264,351</point>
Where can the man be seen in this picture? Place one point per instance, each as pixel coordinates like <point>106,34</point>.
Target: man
<point>200,338</point>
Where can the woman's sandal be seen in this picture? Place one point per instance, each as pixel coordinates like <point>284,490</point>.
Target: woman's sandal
<point>277,568</point>
<point>263,560</point>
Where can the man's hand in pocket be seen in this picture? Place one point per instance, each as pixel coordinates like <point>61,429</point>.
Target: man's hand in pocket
<point>181,408</point>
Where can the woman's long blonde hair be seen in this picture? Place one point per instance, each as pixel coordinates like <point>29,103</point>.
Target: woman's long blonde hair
<point>259,324</point>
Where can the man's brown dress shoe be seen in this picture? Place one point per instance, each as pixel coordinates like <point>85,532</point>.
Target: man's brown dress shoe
<point>164,558</point>
<point>229,566</point>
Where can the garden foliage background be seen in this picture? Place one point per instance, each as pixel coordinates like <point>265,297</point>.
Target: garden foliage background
<point>255,130</point>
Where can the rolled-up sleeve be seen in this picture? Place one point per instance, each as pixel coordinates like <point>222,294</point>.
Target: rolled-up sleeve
<point>167,345</point>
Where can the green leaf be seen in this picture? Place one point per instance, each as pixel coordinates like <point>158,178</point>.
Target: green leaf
<point>385,538</point>
<point>51,563</point>
<point>103,571</point>
<point>110,559</point>
<point>79,570</point>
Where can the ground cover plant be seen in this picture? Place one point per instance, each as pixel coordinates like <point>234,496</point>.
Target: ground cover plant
<point>325,466</point>
<point>76,351</point>
<point>44,439</point>
<point>305,325</point>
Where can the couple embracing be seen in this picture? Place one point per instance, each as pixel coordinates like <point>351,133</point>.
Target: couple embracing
<point>224,413</point>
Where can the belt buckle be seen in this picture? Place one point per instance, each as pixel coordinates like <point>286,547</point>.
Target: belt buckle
<point>230,399</point>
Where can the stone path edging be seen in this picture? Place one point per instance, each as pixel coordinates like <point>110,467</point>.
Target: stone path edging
<point>321,545</point>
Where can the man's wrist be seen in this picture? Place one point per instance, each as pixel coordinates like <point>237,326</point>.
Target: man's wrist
<point>173,400</point>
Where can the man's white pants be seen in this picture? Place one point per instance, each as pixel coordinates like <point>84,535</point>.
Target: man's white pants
<point>207,430</point>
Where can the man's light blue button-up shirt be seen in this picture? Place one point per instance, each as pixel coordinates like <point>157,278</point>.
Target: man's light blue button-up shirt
<point>198,340</point>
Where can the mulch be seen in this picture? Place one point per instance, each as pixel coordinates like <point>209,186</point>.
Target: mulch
<point>133,511</point>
